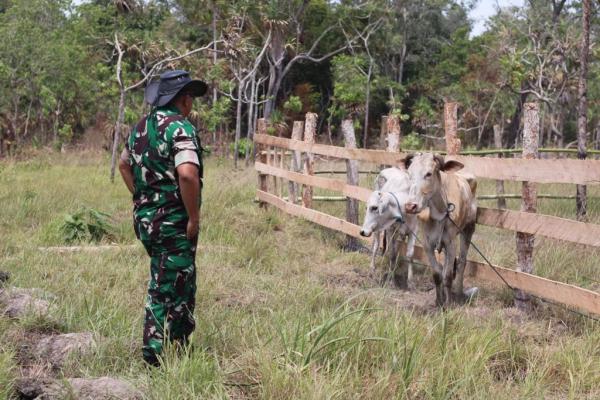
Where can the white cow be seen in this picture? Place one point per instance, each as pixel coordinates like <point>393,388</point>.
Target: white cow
<point>385,213</point>
<point>446,194</point>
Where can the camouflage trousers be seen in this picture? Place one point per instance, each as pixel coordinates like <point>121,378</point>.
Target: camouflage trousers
<point>172,287</point>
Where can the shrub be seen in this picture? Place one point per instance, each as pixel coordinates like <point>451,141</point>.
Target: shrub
<point>87,225</point>
<point>243,145</point>
<point>293,104</point>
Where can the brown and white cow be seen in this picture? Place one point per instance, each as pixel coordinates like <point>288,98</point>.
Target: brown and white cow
<point>435,185</point>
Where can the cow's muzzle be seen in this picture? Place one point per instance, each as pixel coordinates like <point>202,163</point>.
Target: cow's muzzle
<point>411,208</point>
<point>365,233</point>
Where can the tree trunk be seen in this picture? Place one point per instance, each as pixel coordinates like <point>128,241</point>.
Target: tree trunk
<point>250,131</point>
<point>367,104</point>
<point>214,32</point>
<point>352,243</point>
<point>582,134</point>
<point>525,241</point>
<point>238,126</point>
<point>117,137</point>
<point>514,127</point>
<point>26,130</point>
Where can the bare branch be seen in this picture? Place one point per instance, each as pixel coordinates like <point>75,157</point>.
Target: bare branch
<point>160,63</point>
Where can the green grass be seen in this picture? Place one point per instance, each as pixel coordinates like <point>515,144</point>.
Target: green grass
<point>282,312</point>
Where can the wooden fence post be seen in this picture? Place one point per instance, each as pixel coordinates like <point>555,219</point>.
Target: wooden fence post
<point>263,157</point>
<point>393,133</point>
<point>281,163</point>
<point>525,241</point>
<point>310,128</point>
<point>383,132</point>
<point>273,161</point>
<point>295,161</point>
<point>451,127</point>
<point>499,182</point>
<point>352,243</point>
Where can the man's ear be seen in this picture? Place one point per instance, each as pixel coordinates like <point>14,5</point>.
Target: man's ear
<point>404,163</point>
<point>452,166</point>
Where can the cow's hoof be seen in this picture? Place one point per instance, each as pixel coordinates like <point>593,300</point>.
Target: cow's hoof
<point>471,293</point>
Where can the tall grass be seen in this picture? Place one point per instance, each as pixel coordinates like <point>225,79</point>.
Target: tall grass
<point>281,311</point>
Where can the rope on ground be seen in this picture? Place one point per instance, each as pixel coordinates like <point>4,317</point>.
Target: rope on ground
<point>487,261</point>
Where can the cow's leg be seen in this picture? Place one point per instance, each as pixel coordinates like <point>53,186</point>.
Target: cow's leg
<point>374,250</point>
<point>465,242</point>
<point>450,259</point>
<point>437,269</point>
<point>410,252</point>
<point>388,252</point>
<point>402,267</point>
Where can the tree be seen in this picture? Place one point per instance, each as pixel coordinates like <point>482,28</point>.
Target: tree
<point>582,133</point>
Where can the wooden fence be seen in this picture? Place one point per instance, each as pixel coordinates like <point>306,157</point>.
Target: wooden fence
<point>525,223</point>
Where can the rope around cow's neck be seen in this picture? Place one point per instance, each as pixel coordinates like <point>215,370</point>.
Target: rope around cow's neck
<point>399,218</point>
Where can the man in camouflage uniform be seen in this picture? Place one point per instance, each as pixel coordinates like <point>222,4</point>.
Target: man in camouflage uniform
<point>162,167</point>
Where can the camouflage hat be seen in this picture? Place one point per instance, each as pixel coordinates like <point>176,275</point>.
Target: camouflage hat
<point>160,92</point>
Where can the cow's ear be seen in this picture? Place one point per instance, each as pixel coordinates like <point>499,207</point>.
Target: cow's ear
<point>381,204</point>
<point>439,160</point>
<point>404,163</point>
<point>452,166</point>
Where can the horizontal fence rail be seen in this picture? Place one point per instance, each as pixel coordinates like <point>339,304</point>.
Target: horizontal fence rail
<point>538,224</point>
<point>584,172</point>
<point>545,288</point>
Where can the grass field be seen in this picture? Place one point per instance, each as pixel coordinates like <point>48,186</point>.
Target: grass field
<point>282,312</point>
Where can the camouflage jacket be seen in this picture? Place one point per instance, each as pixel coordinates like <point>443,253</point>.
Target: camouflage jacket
<point>160,142</point>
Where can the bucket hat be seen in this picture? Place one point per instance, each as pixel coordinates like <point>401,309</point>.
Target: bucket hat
<point>160,92</point>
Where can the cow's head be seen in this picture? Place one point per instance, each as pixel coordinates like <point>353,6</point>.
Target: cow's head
<point>425,180</point>
<point>382,211</point>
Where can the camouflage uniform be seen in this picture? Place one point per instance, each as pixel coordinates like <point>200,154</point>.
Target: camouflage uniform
<point>157,146</point>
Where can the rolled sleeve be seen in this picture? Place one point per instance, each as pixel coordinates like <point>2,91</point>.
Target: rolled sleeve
<point>185,146</point>
<point>186,156</point>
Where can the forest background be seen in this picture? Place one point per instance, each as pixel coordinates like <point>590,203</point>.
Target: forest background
<point>67,68</point>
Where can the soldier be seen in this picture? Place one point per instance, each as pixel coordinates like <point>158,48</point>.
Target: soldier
<point>162,168</point>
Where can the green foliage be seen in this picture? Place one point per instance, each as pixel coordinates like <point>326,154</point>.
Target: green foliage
<point>244,145</point>
<point>349,84</point>
<point>412,141</point>
<point>293,104</point>
<point>7,373</point>
<point>65,133</point>
<point>214,114</point>
<point>87,225</point>
<point>57,61</point>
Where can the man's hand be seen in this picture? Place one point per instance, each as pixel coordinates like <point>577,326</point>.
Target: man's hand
<point>193,227</point>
